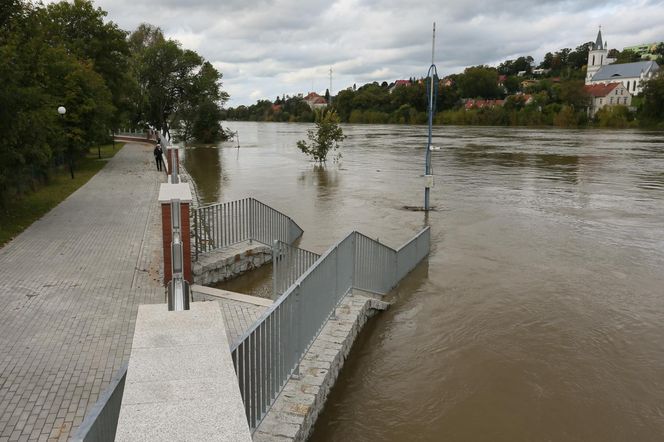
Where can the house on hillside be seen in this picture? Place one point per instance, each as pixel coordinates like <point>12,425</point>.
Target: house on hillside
<point>398,83</point>
<point>472,103</point>
<point>611,94</point>
<point>647,51</point>
<point>315,101</point>
<point>528,83</point>
<point>601,70</point>
<point>541,71</point>
<point>521,98</point>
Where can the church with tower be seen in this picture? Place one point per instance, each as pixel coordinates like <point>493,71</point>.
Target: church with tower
<point>602,70</point>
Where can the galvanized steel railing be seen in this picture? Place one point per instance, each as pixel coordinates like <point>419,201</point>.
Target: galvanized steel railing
<point>221,225</point>
<point>288,264</point>
<point>269,353</point>
<point>101,421</point>
<point>379,268</point>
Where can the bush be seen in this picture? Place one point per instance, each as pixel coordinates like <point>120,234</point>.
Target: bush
<point>324,138</point>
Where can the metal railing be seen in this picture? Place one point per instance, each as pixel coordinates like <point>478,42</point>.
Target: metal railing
<point>379,268</point>
<point>132,134</point>
<point>269,353</point>
<point>101,422</point>
<point>224,224</point>
<point>288,264</point>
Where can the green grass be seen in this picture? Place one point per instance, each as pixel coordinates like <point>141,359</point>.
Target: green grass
<point>20,214</point>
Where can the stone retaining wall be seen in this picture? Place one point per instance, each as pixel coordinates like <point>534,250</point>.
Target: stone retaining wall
<point>293,415</point>
<point>230,262</point>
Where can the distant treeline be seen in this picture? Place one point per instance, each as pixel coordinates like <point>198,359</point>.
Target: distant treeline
<point>554,95</point>
<point>67,54</point>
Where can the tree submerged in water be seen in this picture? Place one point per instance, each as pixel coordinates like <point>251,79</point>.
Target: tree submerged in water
<point>324,137</point>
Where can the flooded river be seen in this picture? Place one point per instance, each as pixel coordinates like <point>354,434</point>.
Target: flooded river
<point>539,315</point>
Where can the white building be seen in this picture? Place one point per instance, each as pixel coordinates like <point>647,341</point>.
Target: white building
<point>602,95</point>
<point>601,70</point>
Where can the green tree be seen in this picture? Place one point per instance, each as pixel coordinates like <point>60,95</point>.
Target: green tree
<point>613,116</point>
<point>326,136</point>
<point>343,104</point>
<point>653,100</point>
<point>627,56</point>
<point>80,28</point>
<point>173,85</point>
<point>479,82</point>
<point>572,93</point>
<point>512,85</point>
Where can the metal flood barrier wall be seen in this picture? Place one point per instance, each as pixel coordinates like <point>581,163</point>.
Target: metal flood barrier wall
<point>379,268</point>
<point>221,225</point>
<point>269,353</point>
<point>288,264</point>
<point>101,422</point>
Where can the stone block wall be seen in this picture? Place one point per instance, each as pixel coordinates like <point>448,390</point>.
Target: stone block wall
<point>230,263</point>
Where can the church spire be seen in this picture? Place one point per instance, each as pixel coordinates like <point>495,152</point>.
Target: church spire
<point>598,41</point>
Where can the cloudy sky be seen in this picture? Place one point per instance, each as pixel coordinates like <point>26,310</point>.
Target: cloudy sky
<point>266,48</point>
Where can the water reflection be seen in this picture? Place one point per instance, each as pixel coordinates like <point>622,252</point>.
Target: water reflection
<point>324,178</point>
<point>204,166</point>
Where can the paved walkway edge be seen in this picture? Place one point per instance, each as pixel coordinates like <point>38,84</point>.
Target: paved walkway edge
<point>295,411</point>
<point>233,296</point>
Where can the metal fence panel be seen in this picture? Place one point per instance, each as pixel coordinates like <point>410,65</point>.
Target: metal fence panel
<point>221,225</point>
<point>288,264</point>
<point>101,422</point>
<point>375,265</point>
<point>411,253</point>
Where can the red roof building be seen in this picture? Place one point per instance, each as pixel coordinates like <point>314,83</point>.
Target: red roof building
<point>315,101</point>
<point>611,94</point>
<point>482,104</point>
<point>404,83</point>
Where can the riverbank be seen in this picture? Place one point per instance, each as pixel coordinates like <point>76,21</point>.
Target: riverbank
<point>498,118</point>
<point>20,213</point>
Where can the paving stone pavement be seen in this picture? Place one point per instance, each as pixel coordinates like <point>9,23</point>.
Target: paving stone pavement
<point>71,286</point>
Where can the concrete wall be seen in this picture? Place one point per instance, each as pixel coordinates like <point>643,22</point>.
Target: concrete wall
<point>181,384</point>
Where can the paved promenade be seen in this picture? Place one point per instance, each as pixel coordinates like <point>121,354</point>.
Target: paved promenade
<point>71,286</point>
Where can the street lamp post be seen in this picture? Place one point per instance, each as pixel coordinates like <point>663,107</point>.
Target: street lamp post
<point>62,111</point>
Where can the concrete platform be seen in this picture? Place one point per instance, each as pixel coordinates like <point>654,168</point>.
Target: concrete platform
<point>240,311</point>
<point>181,384</point>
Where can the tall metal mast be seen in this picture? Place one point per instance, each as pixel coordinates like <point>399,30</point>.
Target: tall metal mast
<point>433,75</point>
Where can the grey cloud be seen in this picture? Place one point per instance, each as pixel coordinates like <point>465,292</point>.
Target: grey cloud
<point>271,47</point>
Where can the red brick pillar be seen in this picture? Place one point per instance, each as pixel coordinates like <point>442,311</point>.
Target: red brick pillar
<point>167,238</point>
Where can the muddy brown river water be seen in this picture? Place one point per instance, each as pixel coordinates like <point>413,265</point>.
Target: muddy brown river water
<point>538,316</point>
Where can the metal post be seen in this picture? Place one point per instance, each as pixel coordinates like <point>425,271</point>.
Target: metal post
<point>297,327</point>
<point>427,169</point>
<point>275,255</point>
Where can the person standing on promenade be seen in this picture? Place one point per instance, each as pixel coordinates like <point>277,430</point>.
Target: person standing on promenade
<point>158,156</point>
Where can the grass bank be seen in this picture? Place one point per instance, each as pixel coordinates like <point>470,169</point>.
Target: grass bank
<point>19,214</point>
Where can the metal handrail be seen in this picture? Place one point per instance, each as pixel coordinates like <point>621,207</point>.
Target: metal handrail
<point>101,421</point>
<point>288,264</point>
<point>220,225</point>
<point>269,353</point>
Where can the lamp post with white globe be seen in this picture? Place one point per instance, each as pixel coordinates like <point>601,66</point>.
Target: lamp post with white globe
<point>62,111</point>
